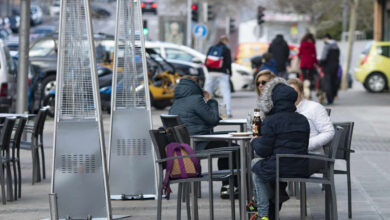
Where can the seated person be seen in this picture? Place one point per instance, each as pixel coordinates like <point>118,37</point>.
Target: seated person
<point>321,127</point>
<point>269,63</point>
<point>200,114</point>
<point>284,131</point>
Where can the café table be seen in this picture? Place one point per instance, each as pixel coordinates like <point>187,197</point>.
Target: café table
<point>235,121</point>
<point>245,159</point>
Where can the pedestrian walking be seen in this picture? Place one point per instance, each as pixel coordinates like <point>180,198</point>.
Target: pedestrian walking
<point>219,65</point>
<point>280,52</point>
<point>284,131</point>
<point>308,59</point>
<point>269,63</point>
<point>330,62</point>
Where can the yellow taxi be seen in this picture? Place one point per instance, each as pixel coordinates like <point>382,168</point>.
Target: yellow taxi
<point>374,67</point>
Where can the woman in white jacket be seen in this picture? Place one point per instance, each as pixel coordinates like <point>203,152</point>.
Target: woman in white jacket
<point>321,127</point>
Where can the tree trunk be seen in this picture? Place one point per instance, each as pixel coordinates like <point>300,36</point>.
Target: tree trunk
<point>351,38</point>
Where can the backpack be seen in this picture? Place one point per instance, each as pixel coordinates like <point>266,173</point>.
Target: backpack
<point>179,168</point>
<point>214,58</point>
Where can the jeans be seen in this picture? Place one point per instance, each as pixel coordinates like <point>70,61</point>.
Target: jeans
<point>222,80</point>
<point>260,191</point>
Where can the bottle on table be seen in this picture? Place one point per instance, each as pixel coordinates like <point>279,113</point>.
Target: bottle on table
<point>256,123</point>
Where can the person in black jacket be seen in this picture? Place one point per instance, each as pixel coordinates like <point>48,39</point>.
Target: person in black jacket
<point>200,114</point>
<point>330,62</point>
<point>280,52</point>
<point>284,131</point>
<point>221,76</point>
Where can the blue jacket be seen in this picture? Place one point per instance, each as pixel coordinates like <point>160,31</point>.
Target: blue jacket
<point>284,132</point>
<point>199,116</point>
<point>270,65</point>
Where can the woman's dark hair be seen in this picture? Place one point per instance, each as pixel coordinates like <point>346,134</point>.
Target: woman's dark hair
<point>307,37</point>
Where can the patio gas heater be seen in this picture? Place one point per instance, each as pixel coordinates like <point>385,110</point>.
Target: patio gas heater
<point>131,158</point>
<point>79,188</point>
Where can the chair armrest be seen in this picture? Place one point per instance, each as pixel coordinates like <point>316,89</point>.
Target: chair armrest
<point>199,156</point>
<point>311,156</point>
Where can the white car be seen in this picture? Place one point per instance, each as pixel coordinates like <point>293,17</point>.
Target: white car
<point>241,75</point>
<point>54,9</point>
<point>7,78</point>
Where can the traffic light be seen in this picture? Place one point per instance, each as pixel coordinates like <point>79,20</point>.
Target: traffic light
<point>195,14</point>
<point>232,26</point>
<point>210,13</point>
<point>146,30</point>
<point>260,15</point>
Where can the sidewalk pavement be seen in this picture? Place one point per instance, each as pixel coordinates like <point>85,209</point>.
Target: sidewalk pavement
<point>370,173</point>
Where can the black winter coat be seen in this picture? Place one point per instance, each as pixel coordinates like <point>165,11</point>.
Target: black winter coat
<point>199,117</point>
<point>280,52</point>
<point>227,60</point>
<point>284,132</point>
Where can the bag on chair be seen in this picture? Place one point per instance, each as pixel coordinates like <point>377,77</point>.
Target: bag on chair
<point>179,168</point>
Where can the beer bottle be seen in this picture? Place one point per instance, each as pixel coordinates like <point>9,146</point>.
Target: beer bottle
<point>256,123</point>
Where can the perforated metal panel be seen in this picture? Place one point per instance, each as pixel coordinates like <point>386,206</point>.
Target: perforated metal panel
<point>130,143</point>
<point>79,166</point>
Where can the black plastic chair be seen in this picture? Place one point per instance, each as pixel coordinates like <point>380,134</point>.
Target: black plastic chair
<point>327,179</point>
<point>169,121</point>
<point>160,140</point>
<point>15,156</point>
<point>5,159</point>
<point>36,144</point>
<point>328,110</point>
<point>182,135</point>
<point>343,153</point>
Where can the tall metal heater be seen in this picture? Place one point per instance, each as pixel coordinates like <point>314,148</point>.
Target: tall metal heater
<point>79,182</point>
<point>131,170</point>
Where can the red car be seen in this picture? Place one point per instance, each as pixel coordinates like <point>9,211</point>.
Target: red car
<point>149,6</point>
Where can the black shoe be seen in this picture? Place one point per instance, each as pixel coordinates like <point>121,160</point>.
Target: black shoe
<point>225,192</point>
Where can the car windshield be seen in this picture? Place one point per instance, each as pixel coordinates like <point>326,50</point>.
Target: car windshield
<point>178,55</point>
<point>42,48</point>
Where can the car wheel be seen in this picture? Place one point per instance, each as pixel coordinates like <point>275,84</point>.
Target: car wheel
<point>375,82</point>
<point>48,84</point>
<point>50,101</point>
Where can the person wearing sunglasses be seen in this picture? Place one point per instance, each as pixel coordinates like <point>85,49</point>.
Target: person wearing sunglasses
<point>261,80</point>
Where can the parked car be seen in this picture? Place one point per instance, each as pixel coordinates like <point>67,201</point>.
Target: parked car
<point>149,6</point>
<point>7,78</point>
<point>241,76</point>
<point>13,47</point>
<point>41,31</point>
<point>35,15</point>
<point>54,9</point>
<point>373,67</point>
<point>3,33</point>
<point>99,12</point>
<point>14,23</point>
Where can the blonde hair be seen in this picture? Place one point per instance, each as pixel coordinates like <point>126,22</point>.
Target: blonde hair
<point>297,83</point>
<point>268,73</point>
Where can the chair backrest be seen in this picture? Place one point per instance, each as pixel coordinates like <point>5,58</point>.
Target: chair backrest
<point>43,120</point>
<point>38,121</point>
<point>328,110</point>
<point>181,134</point>
<point>343,150</point>
<point>19,131</point>
<point>6,132</point>
<point>333,145</point>
<point>169,121</point>
<point>160,141</point>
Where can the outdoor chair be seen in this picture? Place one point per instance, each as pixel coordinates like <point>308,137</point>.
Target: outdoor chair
<point>36,143</point>
<point>327,179</point>
<point>5,159</point>
<point>169,121</point>
<point>343,153</point>
<point>160,140</point>
<point>15,156</point>
<point>182,135</point>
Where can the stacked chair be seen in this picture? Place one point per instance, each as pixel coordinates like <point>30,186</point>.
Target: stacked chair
<point>5,160</point>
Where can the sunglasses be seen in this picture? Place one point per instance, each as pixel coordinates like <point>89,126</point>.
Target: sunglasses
<point>261,83</point>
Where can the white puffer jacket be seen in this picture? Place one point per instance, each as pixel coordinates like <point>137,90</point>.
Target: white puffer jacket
<point>321,127</point>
